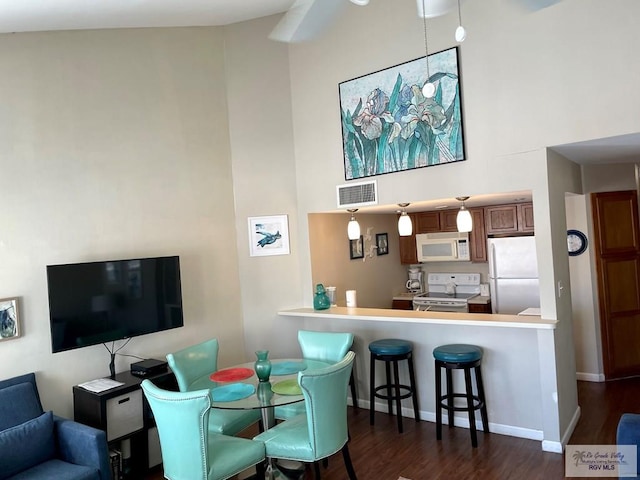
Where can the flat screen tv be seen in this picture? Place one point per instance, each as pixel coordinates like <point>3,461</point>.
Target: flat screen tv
<point>99,302</point>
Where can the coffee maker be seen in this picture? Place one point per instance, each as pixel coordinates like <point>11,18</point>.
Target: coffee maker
<point>415,283</point>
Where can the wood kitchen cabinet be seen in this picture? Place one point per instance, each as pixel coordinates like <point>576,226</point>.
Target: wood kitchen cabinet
<point>445,221</point>
<point>480,307</point>
<point>408,252</point>
<point>402,304</point>
<point>426,222</point>
<point>509,219</point>
<point>449,221</point>
<point>478,237</point>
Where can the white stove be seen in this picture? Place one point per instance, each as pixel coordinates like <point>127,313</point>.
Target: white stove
<point>448,292</point>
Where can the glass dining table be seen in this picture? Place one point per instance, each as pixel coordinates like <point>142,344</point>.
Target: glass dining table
<point>238,387</point>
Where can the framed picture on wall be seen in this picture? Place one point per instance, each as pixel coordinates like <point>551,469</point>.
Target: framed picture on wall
<point>268,236</point>
<point>9,319</point>
<point>356,248</point>
<point>388,125</point>
<point>382,242</point>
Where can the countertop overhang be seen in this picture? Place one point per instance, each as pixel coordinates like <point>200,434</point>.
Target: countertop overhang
<point>422,317</point>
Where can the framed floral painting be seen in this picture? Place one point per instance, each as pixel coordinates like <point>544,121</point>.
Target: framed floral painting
<point>389,126</point>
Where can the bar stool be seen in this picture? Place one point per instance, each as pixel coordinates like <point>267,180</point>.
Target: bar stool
<point>456,357</point>
<point>391,351</point>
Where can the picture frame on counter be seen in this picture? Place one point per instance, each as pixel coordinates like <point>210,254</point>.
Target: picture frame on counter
<point>268,235</point>
<point>382,243</point>
<point>356,248</point>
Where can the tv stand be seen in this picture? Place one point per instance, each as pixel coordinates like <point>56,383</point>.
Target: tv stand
<point>124,413</point>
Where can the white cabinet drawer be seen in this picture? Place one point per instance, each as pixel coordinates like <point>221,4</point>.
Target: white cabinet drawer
<point>124,414</point>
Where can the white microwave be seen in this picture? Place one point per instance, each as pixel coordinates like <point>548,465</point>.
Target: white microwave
<point>443,247</point>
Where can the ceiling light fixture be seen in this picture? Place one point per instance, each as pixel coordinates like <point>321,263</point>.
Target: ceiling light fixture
<point>461,33</point>
<point>428,89</point>
<point>464,220</point>
<point>362,3</point>
<point>353,227</point>
<point>405,226</point>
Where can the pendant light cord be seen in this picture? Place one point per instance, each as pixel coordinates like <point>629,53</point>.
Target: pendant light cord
<point>459,14</point>
<point>426,43</point>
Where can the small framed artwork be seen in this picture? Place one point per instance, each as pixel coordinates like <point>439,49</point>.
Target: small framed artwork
<point>356,248</point>
<point>268,236</point>
<point>9,319</point>
<point>382,242</point>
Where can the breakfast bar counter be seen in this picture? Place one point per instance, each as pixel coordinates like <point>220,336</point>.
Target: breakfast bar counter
<point>518,365</point>
<point>424,317</point>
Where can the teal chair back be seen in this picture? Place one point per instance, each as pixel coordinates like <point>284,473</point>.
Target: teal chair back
<point>193,365</point>
<point>330,347</point>
<point>182,420</point>
<point>324,346</point>
<point>189,450</point>
<point>325,396</point>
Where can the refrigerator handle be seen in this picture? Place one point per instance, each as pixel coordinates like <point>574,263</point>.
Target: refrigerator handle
<point>492,273</point>
<point>492,257</point>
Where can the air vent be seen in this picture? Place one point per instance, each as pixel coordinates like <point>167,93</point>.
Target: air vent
<point>357,194</point>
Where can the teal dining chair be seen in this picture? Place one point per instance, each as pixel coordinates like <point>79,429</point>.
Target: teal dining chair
<point>190,451</point>
<point>192,367</point>
<point>330,347</point>
<point>323,431</point>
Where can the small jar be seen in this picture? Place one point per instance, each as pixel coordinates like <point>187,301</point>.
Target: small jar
<point>321,299</point>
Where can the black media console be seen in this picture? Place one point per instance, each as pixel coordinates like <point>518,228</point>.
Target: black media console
<point>124,414</point>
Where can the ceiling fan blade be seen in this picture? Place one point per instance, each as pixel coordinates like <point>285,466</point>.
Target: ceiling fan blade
<point>435,8</point>
<point>534,5</point>
<point>305,20</point>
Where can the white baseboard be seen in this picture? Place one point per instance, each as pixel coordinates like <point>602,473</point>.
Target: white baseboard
<point>463,421</point>
<point>590,377</point>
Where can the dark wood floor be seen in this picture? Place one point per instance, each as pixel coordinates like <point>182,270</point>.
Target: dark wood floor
<point>380,453</point>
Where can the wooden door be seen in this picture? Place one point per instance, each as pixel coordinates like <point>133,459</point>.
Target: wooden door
<point>617,251</point>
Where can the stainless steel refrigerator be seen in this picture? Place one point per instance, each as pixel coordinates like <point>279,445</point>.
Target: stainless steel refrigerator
<point>513,274</point>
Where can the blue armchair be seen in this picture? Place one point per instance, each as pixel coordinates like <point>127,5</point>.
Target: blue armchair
<point>39,445</point>
<point>628,433</point>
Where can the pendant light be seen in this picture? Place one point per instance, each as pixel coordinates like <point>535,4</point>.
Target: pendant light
<point>461,33</point>
<point>429,89</point>
<point>464,220</point>
<point>405,227</point>
<point>353,227</point>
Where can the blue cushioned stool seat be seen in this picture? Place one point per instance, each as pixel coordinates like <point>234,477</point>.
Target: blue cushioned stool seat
<point>391,351</point>
<point>390,346</point>
<point>460,357</point>
<point>457,353</point>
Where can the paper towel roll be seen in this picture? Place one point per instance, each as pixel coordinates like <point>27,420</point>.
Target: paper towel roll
<point>351,298</point>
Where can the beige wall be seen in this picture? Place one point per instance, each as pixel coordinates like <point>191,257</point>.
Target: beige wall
<point>115,144</point>
<point>264,180</point>
<point>376,278</point>
<point>143,142</point>
<point>522,91</point>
